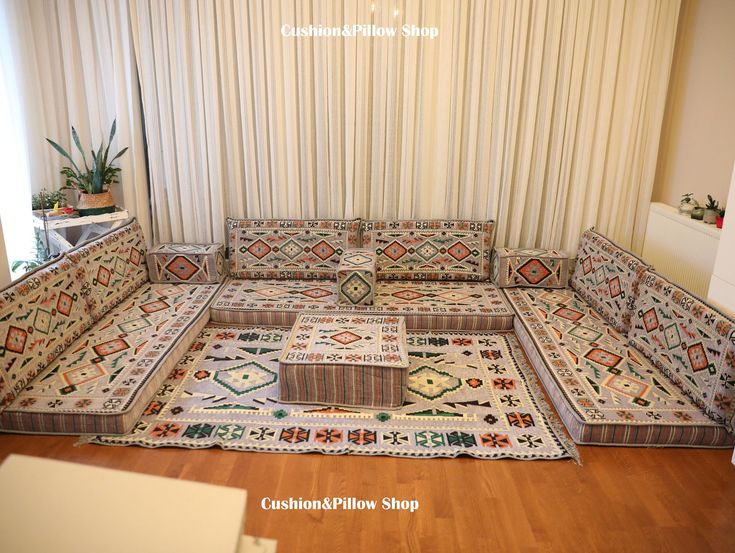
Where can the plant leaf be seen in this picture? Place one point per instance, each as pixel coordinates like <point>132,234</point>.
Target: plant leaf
<point>63,152</point>
<point>75,136</point>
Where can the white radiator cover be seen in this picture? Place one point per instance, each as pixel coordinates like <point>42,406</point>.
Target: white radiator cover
<point>681,248</point>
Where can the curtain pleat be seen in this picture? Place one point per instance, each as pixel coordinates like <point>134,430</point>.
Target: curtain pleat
<point>542,115</point>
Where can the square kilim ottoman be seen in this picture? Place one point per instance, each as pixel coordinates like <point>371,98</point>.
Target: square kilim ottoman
<point>356,276</point>
<point>187,263</point>
<point>347,360</point>
<point>530,267</point>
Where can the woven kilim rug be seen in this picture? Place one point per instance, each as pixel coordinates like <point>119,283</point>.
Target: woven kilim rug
<point>468,394</point>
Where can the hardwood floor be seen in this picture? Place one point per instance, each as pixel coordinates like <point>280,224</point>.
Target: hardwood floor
<point>618,500</point>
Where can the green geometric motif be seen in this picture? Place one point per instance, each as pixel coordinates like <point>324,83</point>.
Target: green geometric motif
<point>585,333</point>
<point>671,334</point>
<point>427,438</point>
<point>246,378</point>
<point>430,383</point>
<point>42,321</point>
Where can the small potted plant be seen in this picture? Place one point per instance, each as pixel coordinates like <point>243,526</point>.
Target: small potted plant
<point>92,183</point>
<point>687,204</point>
<point>711,209</point>
<point>720,218</point>
<point>698,213</point>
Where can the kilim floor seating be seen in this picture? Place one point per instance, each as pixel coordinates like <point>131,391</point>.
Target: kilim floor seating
<point>434,273</point>
<point>87,340</point>
<point>627,357</point>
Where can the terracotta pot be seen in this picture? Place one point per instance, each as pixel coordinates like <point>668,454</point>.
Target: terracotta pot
<point>95,204</point>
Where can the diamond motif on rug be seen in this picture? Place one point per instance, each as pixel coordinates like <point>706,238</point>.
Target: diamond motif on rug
<point>42,321</point>
<point>356,258</point>
<point>569,314</point>
<point>697,357</point>
<point>534,271</point>
<point>291,249</point>
<point>346,337</point>
<point>271,292</point>
<point>459,251</point>
<point>603,357</point>
<point>671,335</point>
<point>626,385</point>
<point>355,288</point>
<point>103,275</point>
<point>614,287</point>
<point>83,374</point>
<point>15,341</point>
<point>431,383</point>
<point>245,378</point>
<point>154,306</point>
<point>182,268</point>
<point>316,293</point>
<point>395,251</point>
<point>427,251</point>
<point>323,250</point>
<point>408,295</point>
<point>650,320</point>
<point>64,304</point>
<point>259,249</point>
<point>111,347</point>
<point>134,325</point>
<point>585,333</point>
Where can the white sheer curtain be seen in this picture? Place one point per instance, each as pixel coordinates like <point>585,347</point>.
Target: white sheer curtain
<point>16,229</point>
<point>78,68</point>
<point>543,115</point>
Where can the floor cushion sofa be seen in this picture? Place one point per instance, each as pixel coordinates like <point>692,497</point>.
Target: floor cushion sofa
<point>434,273</point>
<point>87,339</point>
<point>628,357</point>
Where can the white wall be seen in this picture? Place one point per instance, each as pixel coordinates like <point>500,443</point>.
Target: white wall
<point>722,285</point>
<point>698,135</point>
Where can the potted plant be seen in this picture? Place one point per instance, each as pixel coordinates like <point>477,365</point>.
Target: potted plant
<point>720,218</point>
<point>698,213</point>
<point>711,209</point>
<point>687,204</point>
<point>92,183</point>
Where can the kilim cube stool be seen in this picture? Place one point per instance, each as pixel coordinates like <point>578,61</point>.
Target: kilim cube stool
<point>187,263</point>
<point>356,276</point>
<point>347,360</point>
<point>531,268</point>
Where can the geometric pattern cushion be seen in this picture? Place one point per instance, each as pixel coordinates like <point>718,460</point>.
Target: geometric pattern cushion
<point>115,266</point>
<point>356,277</point>
<point>430,249</point>
<point>40,315</point>
<point>288,249</point>
<point>426,305</point>
<point>187,263</point>
<point>691,342</point>
<point>530,267</point>
<point>605,391</point>
<point>607,277</point>
<point>107,377</point>
<point>345,360</point>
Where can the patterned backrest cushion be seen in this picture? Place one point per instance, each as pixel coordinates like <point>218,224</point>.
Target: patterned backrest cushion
<point>115,266</point>
<point>690,341</point>
<point>607,277</point>
<point>40,315</point>
<point>430,249</point>
<point>289,248</point>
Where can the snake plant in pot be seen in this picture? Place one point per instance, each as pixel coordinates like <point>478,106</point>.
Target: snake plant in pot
<point>92,181</point>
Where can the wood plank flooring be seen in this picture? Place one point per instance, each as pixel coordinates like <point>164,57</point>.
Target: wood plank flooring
<point>620,499</point>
